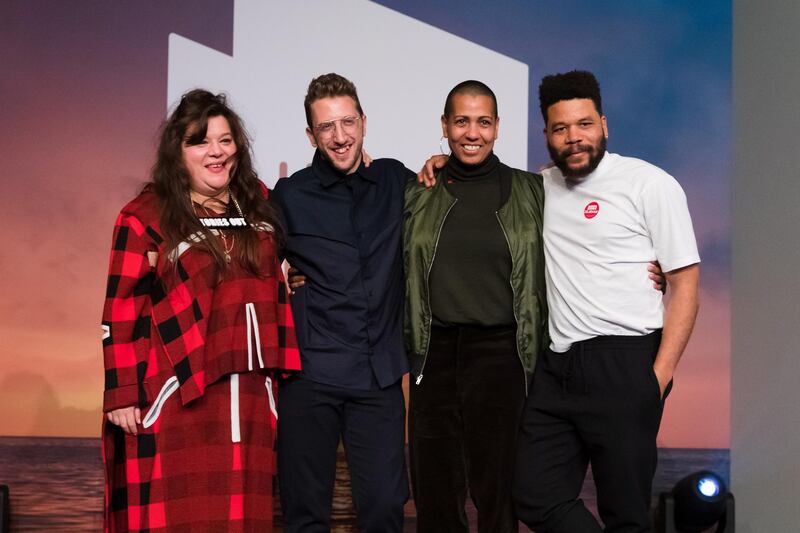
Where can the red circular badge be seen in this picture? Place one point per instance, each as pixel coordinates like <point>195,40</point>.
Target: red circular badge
<point>591,210</point>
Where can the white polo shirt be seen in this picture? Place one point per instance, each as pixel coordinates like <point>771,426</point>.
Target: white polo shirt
<point>599,236</point>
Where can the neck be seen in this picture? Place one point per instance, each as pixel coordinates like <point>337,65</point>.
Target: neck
<point>217,202</point>
<point>354,167</point>
<point>462,171</point>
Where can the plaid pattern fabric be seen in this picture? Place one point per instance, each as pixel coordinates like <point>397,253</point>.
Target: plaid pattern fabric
<point>197,330</point>
<point>184,473</point>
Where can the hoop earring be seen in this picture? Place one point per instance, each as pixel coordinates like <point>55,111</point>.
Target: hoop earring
<point>441,147</point>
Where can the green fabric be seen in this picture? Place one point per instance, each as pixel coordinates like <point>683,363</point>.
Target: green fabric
<point>521,220</point>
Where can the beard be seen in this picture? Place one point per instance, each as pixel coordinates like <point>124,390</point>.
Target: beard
<point>595,151</point>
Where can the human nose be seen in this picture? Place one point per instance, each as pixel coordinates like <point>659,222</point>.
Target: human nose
<point>573,135</point>
<point>473,132</point>
<point>338,132</point>
<point>215,149</point>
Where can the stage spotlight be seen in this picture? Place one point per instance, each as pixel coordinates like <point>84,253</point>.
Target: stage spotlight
<point>709,486</point>
<point>696,503</point>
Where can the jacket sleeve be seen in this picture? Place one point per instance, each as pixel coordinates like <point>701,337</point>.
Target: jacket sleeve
<point>289,352</point>
<point>126,314</point>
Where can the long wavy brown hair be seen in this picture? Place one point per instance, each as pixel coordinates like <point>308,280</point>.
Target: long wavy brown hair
<point>170,181</point>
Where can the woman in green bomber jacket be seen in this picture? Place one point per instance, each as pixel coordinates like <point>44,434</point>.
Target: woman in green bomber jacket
<point>475,319</point>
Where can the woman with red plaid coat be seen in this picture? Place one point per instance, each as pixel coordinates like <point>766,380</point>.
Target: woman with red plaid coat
<point>195,325</point>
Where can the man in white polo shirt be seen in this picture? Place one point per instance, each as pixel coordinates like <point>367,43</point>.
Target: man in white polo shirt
<point>598,391</point>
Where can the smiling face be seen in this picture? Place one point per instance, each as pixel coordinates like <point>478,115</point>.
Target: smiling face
<point>210,162</point>
<point>471,127</point>
<point>338,130</point>
<point>576,136</point>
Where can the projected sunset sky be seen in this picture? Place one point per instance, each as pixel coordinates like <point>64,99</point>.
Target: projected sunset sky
<point>84,89</point>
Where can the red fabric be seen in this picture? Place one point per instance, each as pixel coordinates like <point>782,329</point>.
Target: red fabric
<point>185,471</point>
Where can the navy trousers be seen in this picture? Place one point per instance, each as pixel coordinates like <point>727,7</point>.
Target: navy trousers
<point>598,403</point>
<point>312,417</point>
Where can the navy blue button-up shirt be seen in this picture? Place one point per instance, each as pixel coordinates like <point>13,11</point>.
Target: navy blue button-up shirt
<point>344,235</point>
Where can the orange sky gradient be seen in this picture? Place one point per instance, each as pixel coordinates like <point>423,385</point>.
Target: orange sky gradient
<point>79,139</point>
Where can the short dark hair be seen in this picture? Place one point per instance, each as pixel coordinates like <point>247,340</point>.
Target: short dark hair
<point>471,87</point>
<point>327,86</point>
<point>574,84</point>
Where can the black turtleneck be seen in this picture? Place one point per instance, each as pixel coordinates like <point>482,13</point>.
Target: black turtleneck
<point>470,282</point>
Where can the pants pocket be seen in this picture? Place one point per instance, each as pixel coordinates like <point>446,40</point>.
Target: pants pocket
<point>654,380</point>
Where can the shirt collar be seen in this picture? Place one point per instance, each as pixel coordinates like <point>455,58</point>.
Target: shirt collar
<point>328,175</point>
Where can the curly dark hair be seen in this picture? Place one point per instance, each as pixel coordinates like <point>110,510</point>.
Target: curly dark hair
<point>170,180</point>
<point>327,86</point>
<point>573,84</point>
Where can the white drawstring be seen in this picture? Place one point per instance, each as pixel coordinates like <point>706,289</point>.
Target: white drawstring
<point>166,391</point>
<point>236,431</point>
<point>253,333</point>
<point>272,407</point>
<point>248,320</point>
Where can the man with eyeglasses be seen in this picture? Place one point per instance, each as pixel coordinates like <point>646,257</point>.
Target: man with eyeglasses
<point>343,223</point>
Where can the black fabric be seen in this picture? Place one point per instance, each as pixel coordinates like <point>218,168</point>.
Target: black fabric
<point>463,419</point>
<point>598,403</point>
<point>311,419</point>
<point>470,281</point>
<point>343,234</point>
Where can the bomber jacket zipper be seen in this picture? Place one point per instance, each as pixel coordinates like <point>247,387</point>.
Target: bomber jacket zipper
<point>428,291</point>
<point>514,306</point>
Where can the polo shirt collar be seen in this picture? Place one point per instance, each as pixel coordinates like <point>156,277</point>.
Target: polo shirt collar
<point>328,175</point>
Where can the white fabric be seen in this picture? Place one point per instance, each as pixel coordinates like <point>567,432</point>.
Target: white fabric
<point>236,429</point>
<point>596,259</point>
<point>272,407</point>
<point>253,335</point>
<point>170,386</point>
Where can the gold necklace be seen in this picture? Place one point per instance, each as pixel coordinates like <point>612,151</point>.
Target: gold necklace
<point>225,249</point>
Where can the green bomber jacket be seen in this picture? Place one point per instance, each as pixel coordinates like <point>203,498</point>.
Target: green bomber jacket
<point>521,218</point>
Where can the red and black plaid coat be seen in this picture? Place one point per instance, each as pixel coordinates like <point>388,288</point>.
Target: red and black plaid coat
<point>196,356</point>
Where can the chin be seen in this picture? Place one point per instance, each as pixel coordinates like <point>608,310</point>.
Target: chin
<point>344,167</point>
<point>471,156</point>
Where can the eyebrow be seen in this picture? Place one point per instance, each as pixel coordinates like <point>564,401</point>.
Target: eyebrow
<point>470,116</point>
<point>188,138</point>
<point>564,122</point>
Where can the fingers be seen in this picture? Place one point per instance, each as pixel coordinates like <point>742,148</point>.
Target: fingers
<point>429,179</point>
<point>366,158</point>
<point>295,279</point>
<point>658,279</point>
<point>657,276</point>
<point>130,422</point>
<point>439,161</point>
<point>426,176</point>
<point>127,423</point>
<point>655,266</point>
<point>126,418</point>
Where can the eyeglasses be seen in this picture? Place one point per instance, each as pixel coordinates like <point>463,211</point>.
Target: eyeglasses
<point>349,125</point>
